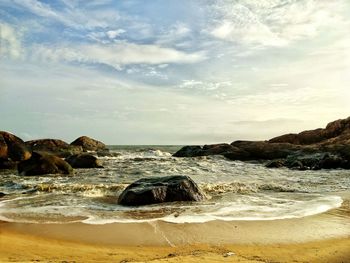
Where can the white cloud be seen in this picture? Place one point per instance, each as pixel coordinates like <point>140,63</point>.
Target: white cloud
<point>273,23</point>
<point>115,33</point>
<point>116,54</point>
<point>204,85</point>
<point>10,44</point>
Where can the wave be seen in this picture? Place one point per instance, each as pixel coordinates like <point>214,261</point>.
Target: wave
<point>244,188</point>
<point>138,155</point>
<point>84,189</point>
<point>261,207</point>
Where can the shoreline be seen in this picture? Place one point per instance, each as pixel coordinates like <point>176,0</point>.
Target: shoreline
<point>321,238</point>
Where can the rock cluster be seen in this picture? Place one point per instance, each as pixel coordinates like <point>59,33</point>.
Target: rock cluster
<point>45,156</point>
<point>326,148</point>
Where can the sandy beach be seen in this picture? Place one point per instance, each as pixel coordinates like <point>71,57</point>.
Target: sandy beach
<point>24,247</point>
<point>320,238</point>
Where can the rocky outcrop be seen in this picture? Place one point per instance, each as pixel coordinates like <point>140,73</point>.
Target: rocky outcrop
<point>89,144</point>
<point>160,189</point>
<point>84,160</point>
<point>261,150</point>
<point>54,147</point>
<point>13,148</point>
<point>40,164</point>
<point>335,132</point>
<point>326,148</point>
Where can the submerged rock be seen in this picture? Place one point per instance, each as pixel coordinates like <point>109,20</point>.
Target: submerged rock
<point>160,189</point>
<point>53,146</point>
<point>84,160</point>
<point>89,144</point>
<point>40,164</point>
<point>13,148</point>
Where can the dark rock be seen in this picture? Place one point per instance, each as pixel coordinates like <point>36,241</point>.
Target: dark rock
<point>2,194</point>
<point>316,161</point>
<point>189,151</point>
<point>160,189</point>
<point>262,150</point>
<point>89,144</point>
<point>53,146</point>
<point>275,163</point>
<point>13,147</point>
<point>84,160</point>
<point>40,164</point>
<point>206,150</point>
<point>218,149</point>
<point>6,163</point>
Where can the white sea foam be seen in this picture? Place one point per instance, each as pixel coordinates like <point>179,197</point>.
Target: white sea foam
<point>186,214</point>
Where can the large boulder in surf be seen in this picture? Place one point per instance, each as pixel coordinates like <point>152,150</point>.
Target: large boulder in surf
<point>40,164</point>
<point>84,160</point>
<point>53,146</point>
<point>89,144</point>
<point>12,147</point>
<point>160,189</point>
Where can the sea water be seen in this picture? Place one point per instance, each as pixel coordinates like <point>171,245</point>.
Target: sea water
<point>234,190</point>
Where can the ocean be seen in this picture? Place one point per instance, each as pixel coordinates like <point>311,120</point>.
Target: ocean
<point>234,190</point>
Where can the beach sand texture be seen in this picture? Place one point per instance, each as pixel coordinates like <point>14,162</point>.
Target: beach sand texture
<point>19,247</point>
<point>321,238</point>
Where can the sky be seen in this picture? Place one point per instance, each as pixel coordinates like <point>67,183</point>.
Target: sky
<point>172,72</point>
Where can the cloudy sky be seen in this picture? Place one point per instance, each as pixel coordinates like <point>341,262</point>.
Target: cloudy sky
<point>172,72</point>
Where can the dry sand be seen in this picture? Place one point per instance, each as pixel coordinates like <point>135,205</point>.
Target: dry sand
<point>19,247</point>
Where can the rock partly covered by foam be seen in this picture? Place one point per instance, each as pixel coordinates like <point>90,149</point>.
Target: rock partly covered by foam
<point>89,144</point>
<point>84,160</point>
<point>160,189</point>
<point>53,146</point>
<point>12,148</point>
<point>40,164</point>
